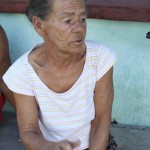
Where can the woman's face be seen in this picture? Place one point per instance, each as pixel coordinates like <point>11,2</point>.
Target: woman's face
<point>65,28</point>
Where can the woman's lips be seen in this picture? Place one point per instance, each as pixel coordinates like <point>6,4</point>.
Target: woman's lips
<point>78,42</point>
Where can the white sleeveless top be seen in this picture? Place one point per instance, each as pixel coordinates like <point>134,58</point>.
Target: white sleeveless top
<point>65,115</point>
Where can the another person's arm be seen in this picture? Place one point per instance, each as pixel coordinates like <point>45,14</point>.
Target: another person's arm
<point>30,133</point>
<point>4,65</point>
<point>103,105</point>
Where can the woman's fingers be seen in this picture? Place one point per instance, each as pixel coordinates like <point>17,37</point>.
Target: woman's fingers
<point>75,144</point>
<point>66,145</point>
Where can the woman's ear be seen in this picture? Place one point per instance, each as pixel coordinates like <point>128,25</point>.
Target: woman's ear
<point>38,25</point>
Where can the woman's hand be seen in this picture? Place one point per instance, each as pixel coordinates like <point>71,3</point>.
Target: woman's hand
<point>63,145</point>
<point>66,145</point>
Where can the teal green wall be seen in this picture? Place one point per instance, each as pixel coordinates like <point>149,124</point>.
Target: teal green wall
<point>131,71</point>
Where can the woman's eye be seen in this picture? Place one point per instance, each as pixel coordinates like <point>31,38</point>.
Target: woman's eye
<point>83,20</point>
<point>68,21</point>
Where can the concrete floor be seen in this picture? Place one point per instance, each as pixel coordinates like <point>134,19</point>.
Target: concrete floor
<point>9,133</point>
<point>131,139</point>
<point>127,138</point>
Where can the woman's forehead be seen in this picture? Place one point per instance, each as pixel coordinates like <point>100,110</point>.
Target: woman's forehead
<point>64,7</point>
<point>68,4</point>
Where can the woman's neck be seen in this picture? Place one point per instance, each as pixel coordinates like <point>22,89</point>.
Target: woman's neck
<point>62,60</point>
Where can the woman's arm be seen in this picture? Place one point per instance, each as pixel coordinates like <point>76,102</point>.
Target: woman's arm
<point>103,99</point>
<point>4,65</point>
<point>30,133</point>
<point>27,117</point>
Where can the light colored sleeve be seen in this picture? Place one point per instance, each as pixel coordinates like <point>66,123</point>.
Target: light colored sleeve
<point>106,60</point>
<point>17,80</point>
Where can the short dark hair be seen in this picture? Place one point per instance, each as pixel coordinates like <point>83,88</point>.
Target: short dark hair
<point>39,8</point>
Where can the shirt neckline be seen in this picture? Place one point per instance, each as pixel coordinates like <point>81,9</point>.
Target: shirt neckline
<point>45,86</point>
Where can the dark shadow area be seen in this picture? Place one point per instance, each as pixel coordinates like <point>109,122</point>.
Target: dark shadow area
<point>9,134</point>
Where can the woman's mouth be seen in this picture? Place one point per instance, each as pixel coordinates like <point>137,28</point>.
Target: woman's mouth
<point>78,42</point>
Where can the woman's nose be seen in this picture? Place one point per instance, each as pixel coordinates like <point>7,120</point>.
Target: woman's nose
<point>79,27</point>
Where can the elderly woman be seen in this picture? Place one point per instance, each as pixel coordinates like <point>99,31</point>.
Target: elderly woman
<point>63,87</point>
<point>4,65</point>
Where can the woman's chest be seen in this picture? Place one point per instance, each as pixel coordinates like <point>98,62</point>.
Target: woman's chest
<point>60,80</point>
